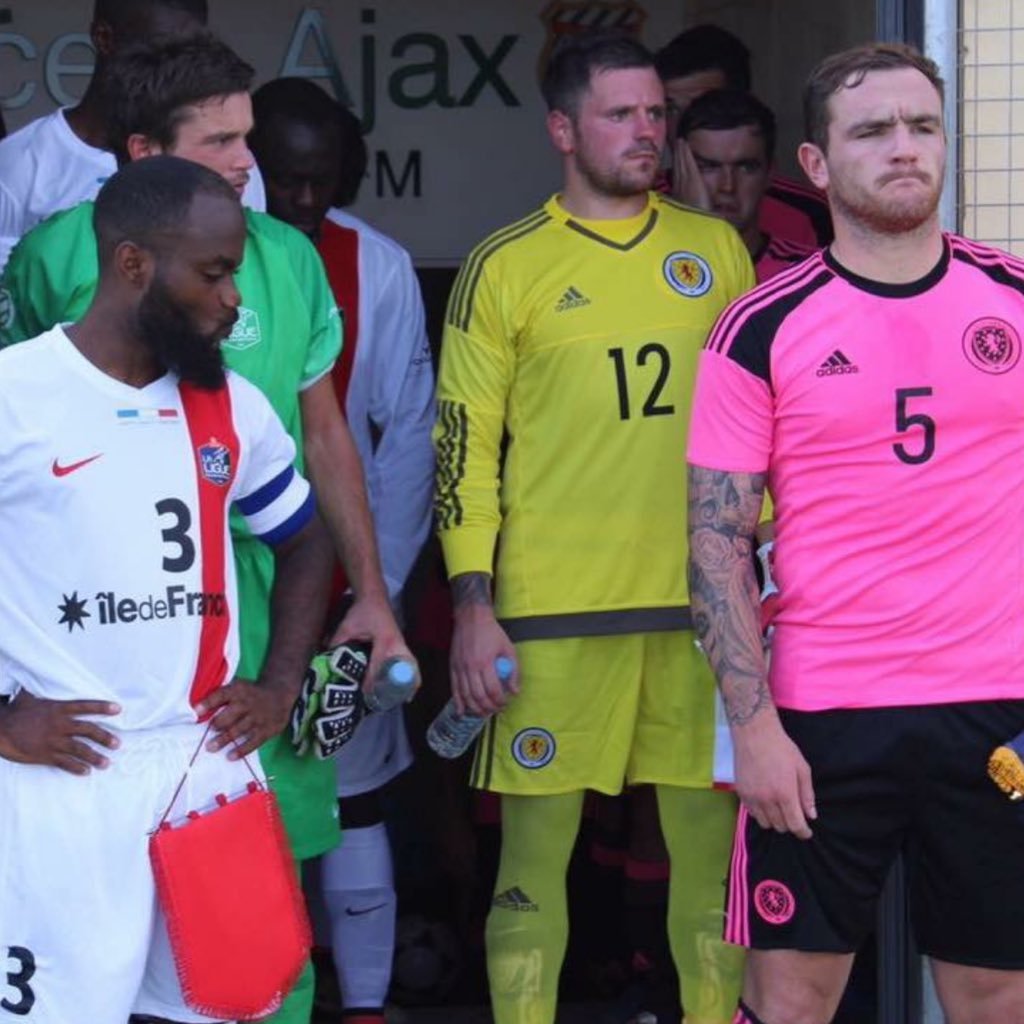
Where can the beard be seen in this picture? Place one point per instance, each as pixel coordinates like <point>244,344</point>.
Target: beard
<point>618,182</point>
<point>897,215</point>
<point>170,335</point>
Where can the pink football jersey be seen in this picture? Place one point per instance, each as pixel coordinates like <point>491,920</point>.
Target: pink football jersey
<point>890,422</point>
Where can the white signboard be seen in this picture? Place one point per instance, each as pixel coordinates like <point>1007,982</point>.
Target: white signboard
<point>446,91</point>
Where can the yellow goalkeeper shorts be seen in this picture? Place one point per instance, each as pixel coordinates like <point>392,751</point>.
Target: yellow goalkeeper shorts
<point>597,712</point>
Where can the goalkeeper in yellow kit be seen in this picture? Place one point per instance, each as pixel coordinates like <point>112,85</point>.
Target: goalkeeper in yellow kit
<point>570,347</point>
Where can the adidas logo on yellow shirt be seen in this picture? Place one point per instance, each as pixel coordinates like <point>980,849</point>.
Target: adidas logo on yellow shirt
<point>572,299</point>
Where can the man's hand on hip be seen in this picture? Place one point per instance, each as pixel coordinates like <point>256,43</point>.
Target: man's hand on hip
<point>52,732</point>
<point>246,715</point>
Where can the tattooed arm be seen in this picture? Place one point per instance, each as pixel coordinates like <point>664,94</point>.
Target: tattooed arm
<point>772,778</point>
<point>476,642</point>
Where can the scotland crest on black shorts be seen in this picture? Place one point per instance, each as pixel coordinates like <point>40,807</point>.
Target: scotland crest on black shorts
<point>215,462</point>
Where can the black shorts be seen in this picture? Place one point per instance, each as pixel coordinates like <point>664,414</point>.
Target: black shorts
<point>885,780</point>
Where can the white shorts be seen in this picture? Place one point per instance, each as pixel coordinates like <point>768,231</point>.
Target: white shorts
<point>83,937</point>
<point>378,751</point>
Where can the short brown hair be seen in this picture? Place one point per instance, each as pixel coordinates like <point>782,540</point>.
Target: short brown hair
<point>847,70</point>
<point>577,58</point>
<point>148,86</point>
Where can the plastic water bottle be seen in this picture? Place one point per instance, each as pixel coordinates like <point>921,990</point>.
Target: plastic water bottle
<point>395,683</point>
<point>450,734</point>
<point>764,556</point>
<point>769,591</point>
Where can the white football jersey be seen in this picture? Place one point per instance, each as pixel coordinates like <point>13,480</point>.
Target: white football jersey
<point>115,551</point>
<point>46,167</point>
<point>389,402</point>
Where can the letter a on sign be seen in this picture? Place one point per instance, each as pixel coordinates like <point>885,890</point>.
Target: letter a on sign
<point>311,25</point>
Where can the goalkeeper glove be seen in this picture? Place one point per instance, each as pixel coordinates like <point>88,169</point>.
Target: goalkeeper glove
<point>330,704</point>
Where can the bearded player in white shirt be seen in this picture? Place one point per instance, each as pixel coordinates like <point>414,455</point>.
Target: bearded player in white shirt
<point>123,444</point>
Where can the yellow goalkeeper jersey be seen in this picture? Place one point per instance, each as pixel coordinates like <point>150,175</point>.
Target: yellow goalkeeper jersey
<point>567,366</point>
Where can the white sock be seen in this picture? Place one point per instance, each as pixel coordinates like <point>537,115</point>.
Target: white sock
<point>359,894</point>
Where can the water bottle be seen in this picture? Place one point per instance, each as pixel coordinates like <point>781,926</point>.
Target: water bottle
<point>764,556</point>
<point>450,734</point>
<point>395,683</point>
<point>769,591</point>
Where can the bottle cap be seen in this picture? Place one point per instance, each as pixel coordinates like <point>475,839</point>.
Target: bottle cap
<point>504,667</point>
<point>402,673</point>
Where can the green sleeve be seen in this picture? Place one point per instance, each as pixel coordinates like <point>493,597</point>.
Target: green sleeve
<point>50,277</point>
<point>325,323</point>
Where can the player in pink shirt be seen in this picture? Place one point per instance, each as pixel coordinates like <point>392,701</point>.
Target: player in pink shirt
<point>877,390</point>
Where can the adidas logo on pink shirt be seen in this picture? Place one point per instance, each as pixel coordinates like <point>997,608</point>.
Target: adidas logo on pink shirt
<point>835,364</point>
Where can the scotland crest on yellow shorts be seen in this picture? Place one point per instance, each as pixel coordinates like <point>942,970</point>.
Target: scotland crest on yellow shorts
<point>533,748</point>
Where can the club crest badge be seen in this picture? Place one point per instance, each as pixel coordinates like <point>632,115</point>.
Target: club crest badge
<point>570,17</point>
<point>215,462</point>
<point>533,748</point>
<point>688,274</point>
<point>992,345</point>
<point>774,902</point>
<point>246,331</point>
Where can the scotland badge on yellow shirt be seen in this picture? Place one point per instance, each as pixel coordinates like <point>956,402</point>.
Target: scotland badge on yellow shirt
<point>688,273</point>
